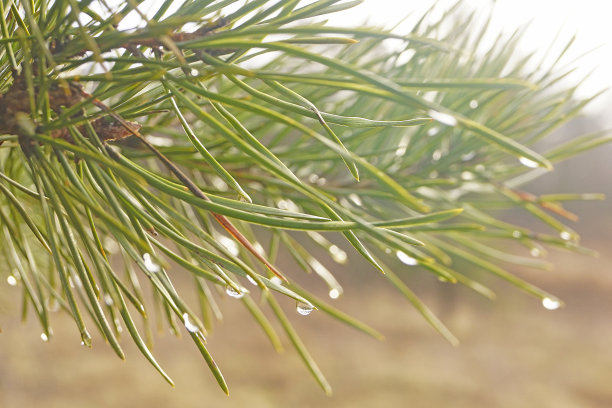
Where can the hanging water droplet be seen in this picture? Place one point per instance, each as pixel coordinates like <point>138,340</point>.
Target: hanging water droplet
<point>195,72</point>
<point>276,280</point>
<point>443,118</point>
<point>282,204</point>
<point>118,326</point>
<point>402,146</point>
<point>517,234</point>
<point>76,282</point>
<point>338,254</point>
<point>251,280</point>
<point>387,250</point>
<point>321,181</point>
<point>335,293</point>
<point>436,155</point>
<point>313,178</point>
<point>108,300</point>
<point>52,304</point>
<point>467,175</point>
<point>44,337</point>
<point>232,292</point>
<point>304,308</point>
<point>565,235</point>
<point>110,245</point>
<point>535,252</point>
<point>433,131</point>
<point>406,259</point>
<point>149,264</point>
<point>528,163</point>
<point>85,339</point>
<point>229,244</point>
<point>258,248</point>
<point>356,199</point>
<point>291,206</point>
<point>11,280</point>
<point>550,303</point>
<point>434,174</point>
<point>473,104</point>
<point>468,156</point>
<point>219,184</point>
<point>189,325</point>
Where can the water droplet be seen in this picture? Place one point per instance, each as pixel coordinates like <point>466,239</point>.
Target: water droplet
<point>550,303</point>
<point>236,294</point>
<point>406,259</point>
<point>535,252</point>
<point>52,304</point>
<point>335,293</point>
<point>517,234</point>
<point>402,146</point>
<point>468,156</point>
<point>11,280</point>
<point>436,155</point>
<point>118,326</point>
<point>44,337</point>
<point>219,184</point>
<point>338,254</point>
<point>75,281</point>
<point>258,248</point>
<point>321,181</point>
<point>528,163</point>
<point>108,300</point>
<point>433,131</point>
<point>467,175</point>
<point>159,141</point>
<point>110,245</point>
<point>443,118</point>
<point>276,280</point>
<point>473,104</point>
<point>149,264</point>
<point>313,178</point>
<point>195,72</point>
<point>387,250</point>
<point>85,338</point>
<point>189,325</point>
<point>282,204</point>
<point>304,308</point>
<point>565,235</point>
<point>434,174</point>
<point>442,279</point>
<point>229,244</point>
<point>251,280</point>
<point>356,199</point>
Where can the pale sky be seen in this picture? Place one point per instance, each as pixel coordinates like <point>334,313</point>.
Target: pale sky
<point>590,20</point>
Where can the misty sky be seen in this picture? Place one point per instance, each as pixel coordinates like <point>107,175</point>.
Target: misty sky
<point>551,21</point>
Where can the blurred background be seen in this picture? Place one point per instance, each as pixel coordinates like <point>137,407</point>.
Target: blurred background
<point>514,353</point>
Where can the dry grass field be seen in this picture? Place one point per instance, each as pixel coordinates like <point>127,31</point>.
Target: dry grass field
<point>514,353</point>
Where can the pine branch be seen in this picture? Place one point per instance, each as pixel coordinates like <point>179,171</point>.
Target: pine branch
<point>123,145</point>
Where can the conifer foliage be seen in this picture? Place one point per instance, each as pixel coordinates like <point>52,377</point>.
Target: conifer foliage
<point>211,139</point>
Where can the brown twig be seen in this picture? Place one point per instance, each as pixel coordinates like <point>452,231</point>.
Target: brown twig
<point>221,219</point>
